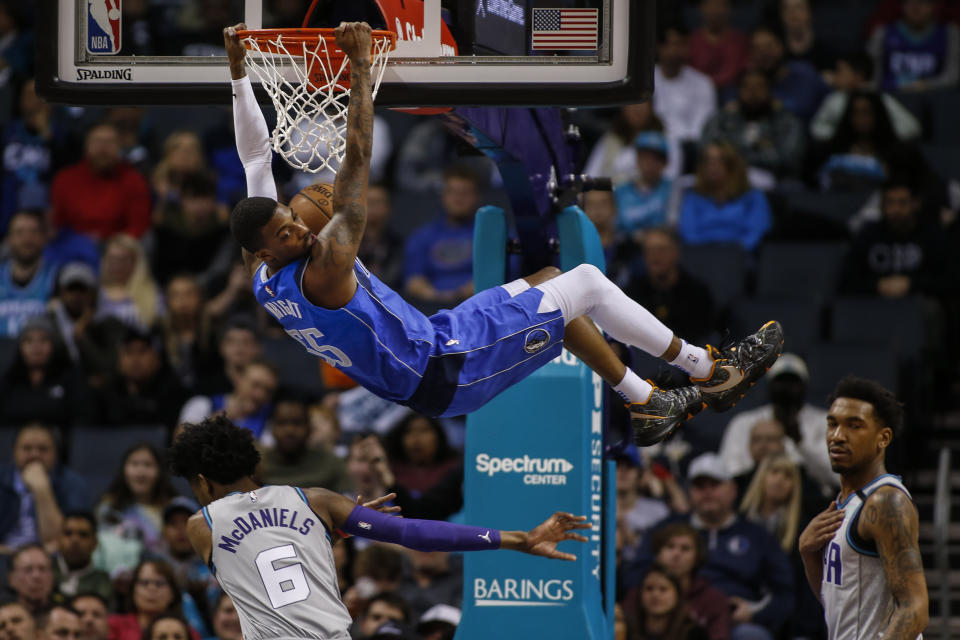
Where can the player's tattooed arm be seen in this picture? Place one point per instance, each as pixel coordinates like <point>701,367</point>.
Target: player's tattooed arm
<point>890,519</point>
<point>338,242</point>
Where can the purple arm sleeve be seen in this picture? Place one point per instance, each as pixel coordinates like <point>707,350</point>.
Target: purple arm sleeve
<point>421,535</point>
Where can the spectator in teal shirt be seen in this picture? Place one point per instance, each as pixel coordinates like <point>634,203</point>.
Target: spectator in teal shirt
<point>642,204</point>
<point>722,207</point>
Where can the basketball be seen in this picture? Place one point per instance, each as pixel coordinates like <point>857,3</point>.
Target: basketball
<point>314,205</point>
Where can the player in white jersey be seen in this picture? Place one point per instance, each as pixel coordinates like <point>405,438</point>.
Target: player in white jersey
<point>270,547</point>
<point>861,555</point>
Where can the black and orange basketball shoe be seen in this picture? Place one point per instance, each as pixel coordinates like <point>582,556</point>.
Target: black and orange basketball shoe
<point>738,367</point>
<point>664,411</point>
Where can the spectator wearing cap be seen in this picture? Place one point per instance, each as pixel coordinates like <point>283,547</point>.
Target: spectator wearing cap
<point>192,573</point>
<point>35,490</point>
<point>643,203</point>
<point>677,298</point>
<point>26,277</point>
<point>393,631</point>
<point>73,569</point>
<point>249,404</point>
<point>743,560</point>
<point>439,622</point>
<point>291,461</point>
<point>143,390</point>
<point>40,384</point>
<point>802,422</point>
<point>770,138</point>
<point>91,344</point>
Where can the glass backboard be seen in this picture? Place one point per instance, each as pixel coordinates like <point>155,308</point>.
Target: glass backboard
<point>449,52</point>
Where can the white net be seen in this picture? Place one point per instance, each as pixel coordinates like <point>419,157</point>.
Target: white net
<point>303,80</point>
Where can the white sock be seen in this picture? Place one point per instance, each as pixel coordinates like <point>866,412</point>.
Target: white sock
<point>694,360</point>
<point>633,388</point>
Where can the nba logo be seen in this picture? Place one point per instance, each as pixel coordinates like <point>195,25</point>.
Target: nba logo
<point>103,26</point>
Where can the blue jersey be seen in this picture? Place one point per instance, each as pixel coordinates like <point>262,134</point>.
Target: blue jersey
<point>449,364</point>
<point>19,303</point>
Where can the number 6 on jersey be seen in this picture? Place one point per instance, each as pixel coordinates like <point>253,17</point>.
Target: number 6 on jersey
<point>285,585</point>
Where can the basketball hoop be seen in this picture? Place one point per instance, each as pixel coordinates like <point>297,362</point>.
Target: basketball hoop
<point>308,80</point>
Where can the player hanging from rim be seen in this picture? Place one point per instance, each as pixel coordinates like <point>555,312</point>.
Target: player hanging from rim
<point>861,554</point>
<point>269,547</point>
<point>455,361</point>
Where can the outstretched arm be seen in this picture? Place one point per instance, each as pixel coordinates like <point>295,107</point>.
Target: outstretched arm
<point>250,129</point>
<point>434,535</point>
<point>329,278</point>
<point>890,519</point>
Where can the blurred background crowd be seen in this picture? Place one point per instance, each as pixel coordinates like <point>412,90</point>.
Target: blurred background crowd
<point>799,160</point>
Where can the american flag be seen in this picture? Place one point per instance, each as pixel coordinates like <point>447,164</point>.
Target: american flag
<point>565,29</point>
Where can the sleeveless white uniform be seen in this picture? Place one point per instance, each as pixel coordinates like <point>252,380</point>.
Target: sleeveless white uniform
<point>857,602</point>
<point>271,554</point>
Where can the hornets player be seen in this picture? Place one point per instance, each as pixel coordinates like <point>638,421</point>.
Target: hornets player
<point>861,555</point>
<point>455,361</point>
<point>269,547</point>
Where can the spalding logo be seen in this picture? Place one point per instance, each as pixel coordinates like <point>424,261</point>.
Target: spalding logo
<point>536,340</point>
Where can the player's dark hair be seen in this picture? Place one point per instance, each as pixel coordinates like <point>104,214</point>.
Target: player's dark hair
<point>120,496</point>
<point>886,407</point>
<point>82,514</point>
<point>391,599</point>
<point>248,219</point>
<point>668,532</point>
<point>215,447</point>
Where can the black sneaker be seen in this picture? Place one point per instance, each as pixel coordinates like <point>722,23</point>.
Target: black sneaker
<point>738,367</point>
<point>663,412</point>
